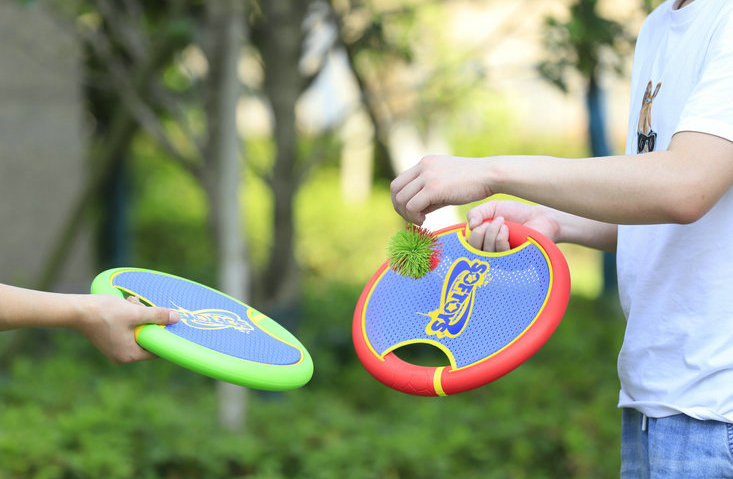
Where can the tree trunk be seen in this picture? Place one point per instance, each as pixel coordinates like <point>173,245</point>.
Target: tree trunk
<point>281,51</point>
<point>225,33</point>
<point>599,147</point>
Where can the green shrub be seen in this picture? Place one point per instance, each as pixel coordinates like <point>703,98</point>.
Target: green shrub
<point>69,414</point>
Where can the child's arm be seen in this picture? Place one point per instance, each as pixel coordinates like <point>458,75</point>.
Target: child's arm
<point>108,322</point>
<point>675,186</point>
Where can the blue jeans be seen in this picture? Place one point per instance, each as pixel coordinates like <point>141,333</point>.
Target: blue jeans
<point>675,447</point>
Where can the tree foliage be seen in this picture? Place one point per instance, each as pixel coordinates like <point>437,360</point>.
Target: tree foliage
<point>586,43</point>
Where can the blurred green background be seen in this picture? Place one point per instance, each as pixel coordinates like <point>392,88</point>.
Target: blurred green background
<point>249,145</point>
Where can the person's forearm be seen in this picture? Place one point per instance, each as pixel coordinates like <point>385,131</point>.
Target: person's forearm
<point>674,186</point>
<point>107,321</point>
<point>586,232</point>
<point>678,185</point>
<point>603,189</point>
<point>21,307</point>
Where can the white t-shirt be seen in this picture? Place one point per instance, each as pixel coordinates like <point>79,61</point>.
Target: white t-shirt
<point>676,281</point>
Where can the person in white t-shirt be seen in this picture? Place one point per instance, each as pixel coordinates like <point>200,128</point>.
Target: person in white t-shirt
<point>666,208</point>
<point>107,322</point>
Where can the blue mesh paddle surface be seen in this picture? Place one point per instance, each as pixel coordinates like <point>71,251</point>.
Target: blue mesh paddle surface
<point>472,304</point>
<point>209,318</point>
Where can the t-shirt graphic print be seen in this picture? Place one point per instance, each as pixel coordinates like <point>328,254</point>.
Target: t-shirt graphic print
<point>646,137</point>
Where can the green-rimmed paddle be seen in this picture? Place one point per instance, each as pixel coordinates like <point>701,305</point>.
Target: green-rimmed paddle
<point>218,336</point>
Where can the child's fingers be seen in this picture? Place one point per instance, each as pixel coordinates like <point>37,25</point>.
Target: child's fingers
<point>490,236</point>
<point>162,316</point>
<point>483,237</point>
<point>403,190</point>
<point>492,232</point>
<point>134,300</point>
<point>155,315</point>
<point>502,239</point>
<point>481,213</point>
<point>476,238</point>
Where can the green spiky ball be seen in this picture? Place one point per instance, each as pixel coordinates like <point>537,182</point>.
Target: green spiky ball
<point>413,252</point>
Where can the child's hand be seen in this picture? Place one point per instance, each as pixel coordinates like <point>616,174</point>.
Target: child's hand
<point>437,181</point>
<point>109,323</point>
<point>494,236</point>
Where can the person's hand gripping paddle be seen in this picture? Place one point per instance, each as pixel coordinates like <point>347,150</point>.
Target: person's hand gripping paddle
<point>217,336</point>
